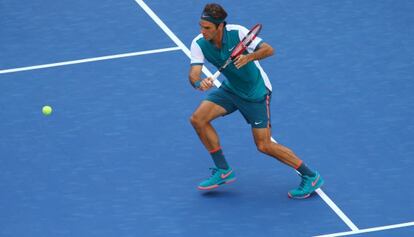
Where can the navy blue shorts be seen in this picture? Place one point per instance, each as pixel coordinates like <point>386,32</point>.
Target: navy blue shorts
<point>257,113</point>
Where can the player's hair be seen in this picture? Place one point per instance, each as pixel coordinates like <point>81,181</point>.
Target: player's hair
<point>215,11</point>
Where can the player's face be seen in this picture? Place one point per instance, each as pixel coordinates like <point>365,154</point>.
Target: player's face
<point>208,29</point>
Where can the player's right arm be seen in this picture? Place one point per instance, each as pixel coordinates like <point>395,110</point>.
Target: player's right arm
<point>197,62</point>
<point>196,81</point>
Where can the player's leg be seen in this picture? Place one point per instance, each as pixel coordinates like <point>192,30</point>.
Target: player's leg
<point>310,180</point>
<point>265,145</point>
<point>257,114</point>
<point>201,121</point>
<point>217,104</point>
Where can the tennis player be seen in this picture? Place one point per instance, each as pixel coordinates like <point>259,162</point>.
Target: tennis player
<point>247,89</point>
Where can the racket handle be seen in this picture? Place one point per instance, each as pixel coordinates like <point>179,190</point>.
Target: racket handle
<point>214,77</point>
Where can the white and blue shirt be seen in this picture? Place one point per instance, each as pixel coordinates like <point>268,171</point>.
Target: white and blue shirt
<point>249,82</point>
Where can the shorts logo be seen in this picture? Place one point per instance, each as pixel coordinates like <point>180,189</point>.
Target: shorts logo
<point>257,123</point>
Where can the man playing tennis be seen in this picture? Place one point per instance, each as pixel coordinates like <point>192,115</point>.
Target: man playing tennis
<point>247,89</point>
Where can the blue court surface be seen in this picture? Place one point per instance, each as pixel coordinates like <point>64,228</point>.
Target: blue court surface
<point>118,156</point>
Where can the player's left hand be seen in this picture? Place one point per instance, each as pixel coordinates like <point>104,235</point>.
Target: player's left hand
<point>241,61</point>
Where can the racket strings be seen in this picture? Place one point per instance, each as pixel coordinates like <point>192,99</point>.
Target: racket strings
<point>246,41</point>
<point>251,36</point>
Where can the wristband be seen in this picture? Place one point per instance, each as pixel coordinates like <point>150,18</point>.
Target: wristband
<point>197,84</point>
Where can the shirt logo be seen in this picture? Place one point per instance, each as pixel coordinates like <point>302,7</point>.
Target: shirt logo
<point>231,49</point>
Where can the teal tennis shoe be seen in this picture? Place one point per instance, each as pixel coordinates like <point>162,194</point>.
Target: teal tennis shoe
<point>217,178</point>
<point>307,186</point>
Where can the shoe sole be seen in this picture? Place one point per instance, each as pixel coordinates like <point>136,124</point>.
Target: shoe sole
<point>298,197</point>
<point>307,195</point>
<point>216,185</point>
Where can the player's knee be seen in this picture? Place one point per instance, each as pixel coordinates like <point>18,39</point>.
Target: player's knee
<point>263,147</point>
<point>196,120</point>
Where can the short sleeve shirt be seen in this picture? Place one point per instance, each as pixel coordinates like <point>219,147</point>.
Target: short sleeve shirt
<point>249,82</point>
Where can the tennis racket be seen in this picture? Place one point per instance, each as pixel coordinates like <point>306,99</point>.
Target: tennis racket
<point>239,49</point>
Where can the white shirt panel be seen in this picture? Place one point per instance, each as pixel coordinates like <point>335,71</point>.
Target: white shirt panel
<point>197,55</point>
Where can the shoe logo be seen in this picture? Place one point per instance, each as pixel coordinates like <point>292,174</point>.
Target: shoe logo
<point>257,123</point>
<point>231,49</point>
<point>223,176</point>
<point>316,181</point>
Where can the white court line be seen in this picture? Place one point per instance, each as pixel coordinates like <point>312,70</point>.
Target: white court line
<point>87,60</point>
<point>170,34</point>
<point>380,228</point>
<point>184,48</point>
<point>336,209</point>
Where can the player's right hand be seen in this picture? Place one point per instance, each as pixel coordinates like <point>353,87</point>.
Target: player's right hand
<point>206,84</point>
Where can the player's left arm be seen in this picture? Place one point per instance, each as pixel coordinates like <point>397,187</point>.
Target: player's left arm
<point>264,51</point>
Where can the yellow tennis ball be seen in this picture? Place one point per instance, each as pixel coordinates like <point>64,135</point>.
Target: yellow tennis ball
<point>47,110</point>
